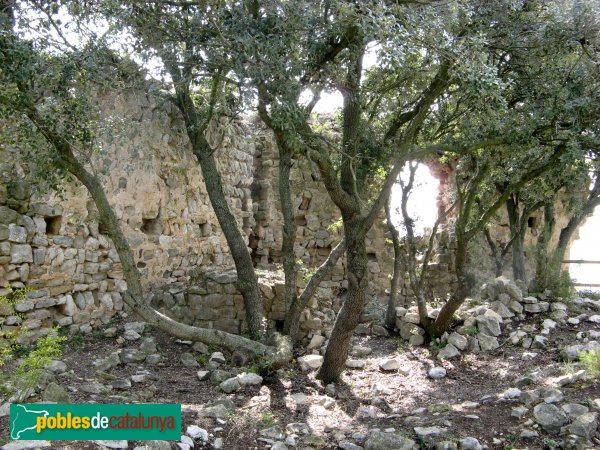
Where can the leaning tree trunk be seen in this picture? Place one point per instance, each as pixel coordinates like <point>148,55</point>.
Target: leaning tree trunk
<point>349,314</point>
<point>247,282</point>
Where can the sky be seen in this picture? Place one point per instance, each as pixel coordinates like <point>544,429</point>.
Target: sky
<point>587,247</point>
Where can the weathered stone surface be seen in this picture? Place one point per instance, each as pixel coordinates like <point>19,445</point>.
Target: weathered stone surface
<point>378,440</point>
<point>437,373</point>
<point>55,393</point>
<point>230,385</point>
<point>585,425</point>
<point>195,432</point>
<point>448,352</point>
<point>188,360</point>
<point>310,362</point>
<point>25,445</point>
<point>487,343</point>
<point>459,341</point>
<point>549,417</point>
<point>429,432</point>
<point>21,253</point>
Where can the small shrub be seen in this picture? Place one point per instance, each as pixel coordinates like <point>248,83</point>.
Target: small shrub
<point>588,293</point>
<point>590,361</point>
<point>25,363</point>
<point>472,330</point>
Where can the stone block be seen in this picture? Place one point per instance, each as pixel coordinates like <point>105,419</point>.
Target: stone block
<point>21,253</point>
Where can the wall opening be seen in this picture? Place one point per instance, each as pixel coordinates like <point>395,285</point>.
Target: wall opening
<point>587,248</point>
<point>422,202</point>
<point>533,222</point>
<point>53,224</point>
<point>151,226</point>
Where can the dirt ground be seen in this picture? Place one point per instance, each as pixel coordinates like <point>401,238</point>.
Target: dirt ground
<point>478,378</point>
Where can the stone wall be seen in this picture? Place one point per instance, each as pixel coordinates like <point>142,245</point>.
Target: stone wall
<point>57,247</point>
<point>317,218</point>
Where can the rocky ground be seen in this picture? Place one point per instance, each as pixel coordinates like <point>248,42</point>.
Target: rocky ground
<point>529,392</point>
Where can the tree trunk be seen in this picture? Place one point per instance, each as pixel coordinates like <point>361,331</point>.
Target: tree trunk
<point>289,235</point>
<point>349,314</point>
<point>247,282</point>
<point>444,318</point>
<point>133,297</point>
<point>541,257</point>
<point>390,315</point>
<point>518,253</point>
<point>497,254</point>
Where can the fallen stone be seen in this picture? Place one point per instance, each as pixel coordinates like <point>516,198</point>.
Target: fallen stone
<point>519,412</point>
<point>113,444</point>
<point>574,409</point>
<point>203,375</point>
<point>549,417</point>
<point>157,445</point>
<point>250,379</point>
<point>218,411</point>
<point>428,432</point>
<point>25,445</point>
<point>230,385</point>
<point>55,393</point>
<point>489,325</point>
<point>469,443</point>
<point>131,335</point>
<point>310,362</point>
<point>389,365</point>
<point>217,358</point>
<point>551,395</point>
<point>448,352</point>
<point>416,340</point>
<point>378,440</point>
<point>487,343</point>
<point>94,388</point>
<point>132,355</point>
<point>380,389</point>
<point>359,350</point>
<point>188,360</point>
<point>446,445</point>
<point>511,393</point>
<point>138,327</point>
<point>316,341</point>
<point>347,445</point>
<point>195,432</point>
<point>459,341</point>
<point>436,373</point>
<point>274,432</point>
<point>355,363</point>
<point>148,346</point>
<point>378,330</point>
<point>584,425</point>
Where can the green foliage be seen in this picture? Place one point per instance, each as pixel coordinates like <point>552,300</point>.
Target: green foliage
<point>588,293</point>
<point>471,331</point>
<point>590,361</point>
<point>23,365</point>
<point>262,365</point>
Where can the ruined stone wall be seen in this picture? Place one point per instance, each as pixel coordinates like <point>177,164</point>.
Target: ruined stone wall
<point>57,247</point>
<point>317,218</point>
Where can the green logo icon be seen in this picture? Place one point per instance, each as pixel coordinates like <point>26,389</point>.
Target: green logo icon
<point>95,422</point>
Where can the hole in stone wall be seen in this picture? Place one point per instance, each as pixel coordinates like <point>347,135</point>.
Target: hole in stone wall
<point>533,222</point>
<point>372,257</point>
<point>151,226</point>
<point>102,227</point>
<point>301,221</point>
<point>53,224</point>
<point>279,325</point>
<point>305,203</point>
